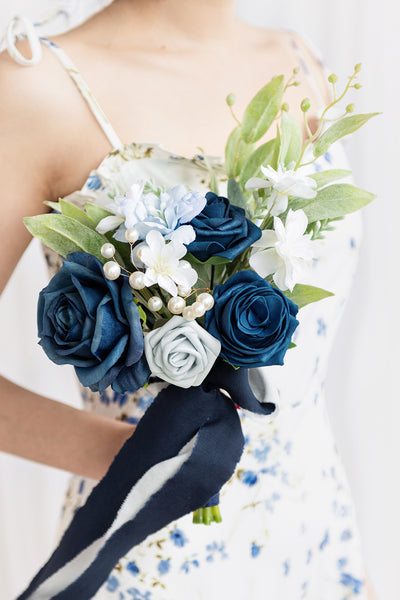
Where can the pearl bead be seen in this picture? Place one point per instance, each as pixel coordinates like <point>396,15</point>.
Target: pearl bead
<point>185,264</point>
<point>139,252</point>
<point>154,303</point>
<point>198,309</point>
<point>131,235</point>
<point>183,290</point>
<point>176,305</point>
<point>107,250</point>
<point>136,280</point>
<point>112,270</point>
<point>206,299</point>
<point>187,313</point>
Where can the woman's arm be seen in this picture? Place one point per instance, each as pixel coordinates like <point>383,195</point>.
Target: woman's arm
<point>58,435</point>
<point>33,145</point>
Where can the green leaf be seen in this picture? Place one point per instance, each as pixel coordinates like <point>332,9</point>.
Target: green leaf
<point>212,175</point>
<point>232,151</point>
<point>323,178</point>
<point>277,150</point>
<point>261,156</point>
<point>203,271</point>
<point>343,127</point>
<point>54,205</point>
<point>64,234</point>
<point>292,139</point>
<point>292,345</point>
<point>217,260</point>
<point>333,201</point>
<point>70,210</point>
<point>96,213</point>
<point>306,294</point>
<point>142,314</point>
<point>262,110</point>
<point>213,260</point>
<point>235,194</point>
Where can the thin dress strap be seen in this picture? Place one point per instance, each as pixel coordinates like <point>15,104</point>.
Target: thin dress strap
<point>86,93</point>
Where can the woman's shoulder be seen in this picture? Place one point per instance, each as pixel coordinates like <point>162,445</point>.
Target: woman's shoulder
<point>43,120</point>
<point>293,47</point>
<point>31,107</point>
<point>28,92</point>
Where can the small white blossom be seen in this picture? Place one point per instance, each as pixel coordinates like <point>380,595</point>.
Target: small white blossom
<point>283,183</point>
<point>284,251</point>
<point>163,266</point>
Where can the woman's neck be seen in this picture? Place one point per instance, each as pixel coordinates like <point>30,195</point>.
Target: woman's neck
<point>168,23</point>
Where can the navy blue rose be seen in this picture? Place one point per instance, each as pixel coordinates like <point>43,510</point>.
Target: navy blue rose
<point>92,323</point>
<point>221,230</point>
<point>253,321</point>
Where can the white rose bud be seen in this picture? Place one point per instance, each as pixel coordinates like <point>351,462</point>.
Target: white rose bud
<point>181,352</point>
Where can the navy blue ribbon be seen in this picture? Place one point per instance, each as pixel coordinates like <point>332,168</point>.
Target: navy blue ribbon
<point>192,435</point>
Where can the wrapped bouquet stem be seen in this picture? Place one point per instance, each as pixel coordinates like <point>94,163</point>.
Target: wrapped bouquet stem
<point>197,441</point>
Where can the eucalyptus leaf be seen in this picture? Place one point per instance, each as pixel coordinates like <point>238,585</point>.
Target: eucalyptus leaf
<point>235,194</point>
<point>262,110</point>
<point>333,201</point>
<point>232,150</point>
<point>203,271</point>
<point>291,140</point>
<point>245,151</point>
<point>261,156</point>
<point>71,210</point>
<point>213,260</point>
<point>64,234</point>
<point>54,205</point>
<point>212,175</point>
<point>337,130</point>
<point>306,294</point>
<point>277,150</point>
<point>324,178</point>
<point>96,213</point>
<point>217,260</point>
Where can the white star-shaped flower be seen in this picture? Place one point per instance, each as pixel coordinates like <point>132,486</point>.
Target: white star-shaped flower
<point>285,251</point>
<point>164,267</point>
<point>283,183</point>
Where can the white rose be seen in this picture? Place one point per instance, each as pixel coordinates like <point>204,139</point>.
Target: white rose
<point>181,352</point>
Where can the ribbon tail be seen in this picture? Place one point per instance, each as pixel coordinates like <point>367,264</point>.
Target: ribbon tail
<point>181,453</point>
<point>247,388</point>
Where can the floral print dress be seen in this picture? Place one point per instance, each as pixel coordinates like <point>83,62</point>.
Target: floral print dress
<point>289,529</point>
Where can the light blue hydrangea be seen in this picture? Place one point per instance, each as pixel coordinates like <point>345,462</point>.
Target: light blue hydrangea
<point>167,211</point>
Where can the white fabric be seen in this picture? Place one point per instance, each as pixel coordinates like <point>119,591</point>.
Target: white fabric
<point>21,25</point>
<point>360,376</point>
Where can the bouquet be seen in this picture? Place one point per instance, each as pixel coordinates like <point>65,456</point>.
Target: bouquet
<point>195,289</point>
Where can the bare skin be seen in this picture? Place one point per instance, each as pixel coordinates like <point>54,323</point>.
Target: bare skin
<point>160,70</point>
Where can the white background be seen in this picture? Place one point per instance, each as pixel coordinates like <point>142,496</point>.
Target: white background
<point>363,398</point>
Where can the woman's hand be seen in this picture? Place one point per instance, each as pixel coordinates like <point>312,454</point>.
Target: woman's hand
<point>58,435</point>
